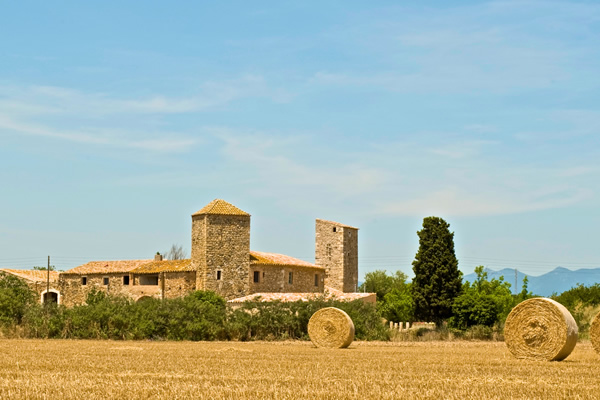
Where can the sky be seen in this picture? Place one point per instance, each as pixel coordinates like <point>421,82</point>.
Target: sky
<point>119,119</point>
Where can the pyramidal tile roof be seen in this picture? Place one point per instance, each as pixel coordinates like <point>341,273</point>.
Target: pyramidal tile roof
<point>218,206</point>
<point>337,223</point>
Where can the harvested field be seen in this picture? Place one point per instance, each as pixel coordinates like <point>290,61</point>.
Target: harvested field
<point>60,369</point>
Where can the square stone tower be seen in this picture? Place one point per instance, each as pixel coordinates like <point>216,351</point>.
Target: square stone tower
<point>221,249</point>
<point>336,249</point>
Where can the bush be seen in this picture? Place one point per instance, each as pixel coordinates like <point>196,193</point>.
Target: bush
<point>278,320</point>
<point>15,298</point>
<point>197,316</point>
<point>484,302</point>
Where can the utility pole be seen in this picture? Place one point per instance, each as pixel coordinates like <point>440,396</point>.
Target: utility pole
<point>516,282</point>
<point>47,282</point>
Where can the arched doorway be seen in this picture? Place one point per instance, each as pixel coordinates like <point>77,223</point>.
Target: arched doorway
<point>52,296</point>
<point>143,298</point>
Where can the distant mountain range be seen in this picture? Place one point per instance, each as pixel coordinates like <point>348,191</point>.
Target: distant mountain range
<point>556,281</point>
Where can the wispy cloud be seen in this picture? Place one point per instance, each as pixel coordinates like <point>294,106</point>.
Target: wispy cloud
<point>399,179</point>
<point>211,95</point>
<point>462,149</point>
<point>97,118</point>
<point>166,143</point>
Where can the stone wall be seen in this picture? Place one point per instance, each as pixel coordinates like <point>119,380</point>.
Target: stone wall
<point>275,279</point>
<point>350,260</point>
<point>170,285</point>
<point>73,292</point>
<point>179,284</point>
<point>40,288</point>
<point>336,249</point>
<point>221,253</point>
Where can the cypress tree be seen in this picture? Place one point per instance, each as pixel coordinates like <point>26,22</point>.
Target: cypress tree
<point>437,279</point>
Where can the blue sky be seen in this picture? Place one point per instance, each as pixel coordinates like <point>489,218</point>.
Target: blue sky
<point>118,120</point>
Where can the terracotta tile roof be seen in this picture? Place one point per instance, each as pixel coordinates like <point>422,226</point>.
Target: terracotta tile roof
<point>218,206</point>
<point>107,267</point>
<point>164,266</point>
<point>32,275</point>
<point>287,297</point>
<point>259,257</point>
<point>337,223</point>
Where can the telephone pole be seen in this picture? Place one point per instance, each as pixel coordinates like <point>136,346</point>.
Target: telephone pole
<point>47,282</point>
<point>516,282</point>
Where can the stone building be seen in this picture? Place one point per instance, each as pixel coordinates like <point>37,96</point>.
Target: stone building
<point>336,250</point>
<point>221,261</point>
<point>41,282</point>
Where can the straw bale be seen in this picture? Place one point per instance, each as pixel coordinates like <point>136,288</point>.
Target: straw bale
<point>331,327</point>
<point>595,333</point>
<point>540,329</point>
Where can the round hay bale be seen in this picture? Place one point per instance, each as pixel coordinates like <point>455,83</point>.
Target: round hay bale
<point>595,333</point>
<point>331,327</point>
<point>540,329</point>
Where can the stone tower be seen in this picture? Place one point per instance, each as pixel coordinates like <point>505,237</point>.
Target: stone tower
<point>221,249</point>
<point>336,249</point>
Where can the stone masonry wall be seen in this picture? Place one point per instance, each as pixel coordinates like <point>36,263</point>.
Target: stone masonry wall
<point>73,292</point>
<point>350,260</point>
<point>198,255</point>
<point>221,243</point>
<point>275,279</point>
<point>40,287</point>
<point>179,284</point>
<point>336,249</point>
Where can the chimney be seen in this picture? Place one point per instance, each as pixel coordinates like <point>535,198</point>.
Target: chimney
<point>158,257</point>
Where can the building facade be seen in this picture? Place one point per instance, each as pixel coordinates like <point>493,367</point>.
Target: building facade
<point>221,261</point>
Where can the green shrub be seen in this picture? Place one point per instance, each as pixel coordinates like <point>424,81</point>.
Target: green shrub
<point>15,298</point>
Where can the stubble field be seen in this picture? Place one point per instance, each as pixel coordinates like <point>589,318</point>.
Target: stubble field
<point>61,369</point>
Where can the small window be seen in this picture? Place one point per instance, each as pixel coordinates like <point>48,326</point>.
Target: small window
<point>105,280</point>
<point>151,280</point>
<point>84,280</point>
<point>256,276</point>
<point>218,275</point>
<point>334,229</point>
<point>291,278</point>
<point>126,280</point>
<point>316,279</point>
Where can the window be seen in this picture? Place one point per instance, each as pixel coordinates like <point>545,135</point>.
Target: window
<point>218,275</point>
<point>316,279</point>
<point>126,280</point>
<point>105,280</point>
<point>84,280</point>
<point>334,229</point>
<point>291,278</point>
<point>149,280</point>
<point>328,250</point>
<point>256,276</point>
